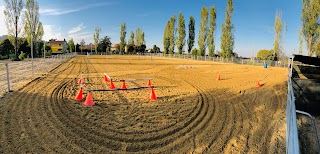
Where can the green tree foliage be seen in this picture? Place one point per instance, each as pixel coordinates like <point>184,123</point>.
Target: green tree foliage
<point>140,41</point>
<point>300,41</point>
<point>194,52</point>
<point>311,23</point>
<point>203,31</point>
<point>181,33</point>
<point>318,49</point>
<point>33,27</point>
<point>191,34</point>
<point>96,38</point>
<point>155,49</point>
<point>139,37</point>
<point>277,30</point>
<point>131,39</point>
<point>105,44</point>
<point>71,45</point>
<point>45,47</point>
<point>172,34</point>
<point>131,49</point>
<point>22,55</point>
<point>166,39</point>
<point>6,47</point>
<point>141,48</point>
<point>14,22</point>
<point>123,34</point>
<point>265,54</point>
<point>227,37</point>
<point>82,43</point>
<point>211,31</point>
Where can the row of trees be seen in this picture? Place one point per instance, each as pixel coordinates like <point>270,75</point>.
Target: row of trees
<point>29,22</point>
<point>7,48</point>
<point>206,33</point>
<point>136,42</point>
<point>309,32</point>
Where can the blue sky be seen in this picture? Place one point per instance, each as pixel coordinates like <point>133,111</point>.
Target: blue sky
<point>253,20</point>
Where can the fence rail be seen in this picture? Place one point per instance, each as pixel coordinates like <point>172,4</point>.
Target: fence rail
<point>292,141</point>
<point>13,74</point>
<point>279,63</point>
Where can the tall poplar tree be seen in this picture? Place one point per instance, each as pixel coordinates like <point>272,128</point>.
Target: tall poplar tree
<point>172,37</point>
<point>166,39</point>
<point>131,39</point>
<point>227,38</point>
<point>211,31</point>
<point>277,30</point>
<point>311,23</point>
<point>96,38</point>
<point>181,33</point>
<point>191,34</point>
<point>203,31</point>
<point>14,22</point>
<point>123,34</point>
<point>300,36</point>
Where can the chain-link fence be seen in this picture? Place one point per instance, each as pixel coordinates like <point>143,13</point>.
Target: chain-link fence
<point>244,61</point>
<point>17,73</point>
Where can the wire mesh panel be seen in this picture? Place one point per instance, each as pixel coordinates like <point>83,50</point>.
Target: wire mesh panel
<point>15,74</point>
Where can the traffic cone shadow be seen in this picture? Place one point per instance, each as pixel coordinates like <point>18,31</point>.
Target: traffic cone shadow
<point>153,96</point>
<point>89,100</point>
<point>79,95</point>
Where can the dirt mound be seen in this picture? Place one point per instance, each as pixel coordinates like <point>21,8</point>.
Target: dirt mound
<point>194,112</point>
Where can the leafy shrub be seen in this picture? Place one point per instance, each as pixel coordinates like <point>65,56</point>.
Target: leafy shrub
<point>22,55</point>
<point>265,55</point>
<point>48,53</point>
<point>194,51</point>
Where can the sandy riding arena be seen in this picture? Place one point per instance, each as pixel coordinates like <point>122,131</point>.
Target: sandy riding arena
<point>194,112</point>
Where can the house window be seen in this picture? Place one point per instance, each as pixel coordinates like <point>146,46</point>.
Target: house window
<point>59,44</point>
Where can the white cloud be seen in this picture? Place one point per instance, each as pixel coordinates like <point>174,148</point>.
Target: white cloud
<point>52,32</point>
<point>3,28</point>
<point>57,11</point>
<point>77,34</point>
<point>116,28</point>
<point>76,29</point>
<point>53,11</point>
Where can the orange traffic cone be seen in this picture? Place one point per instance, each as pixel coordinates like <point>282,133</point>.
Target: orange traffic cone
<point>149,83</point>
<point>124,85</point>
<point>79,95</point>
<point>218,78</point>
<point>89,100</point>
<point>258,84</point>
<point>153,96</point>
<point>105,78</point>
<point>112,85</point>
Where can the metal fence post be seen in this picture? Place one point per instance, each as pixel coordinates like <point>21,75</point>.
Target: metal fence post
<point>8,77</point>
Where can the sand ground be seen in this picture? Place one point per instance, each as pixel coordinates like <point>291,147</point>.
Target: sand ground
<point>194,113</point>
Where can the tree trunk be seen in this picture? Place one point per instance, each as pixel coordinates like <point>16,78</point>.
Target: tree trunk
<point>16,40</point>
<point>310,46</point>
